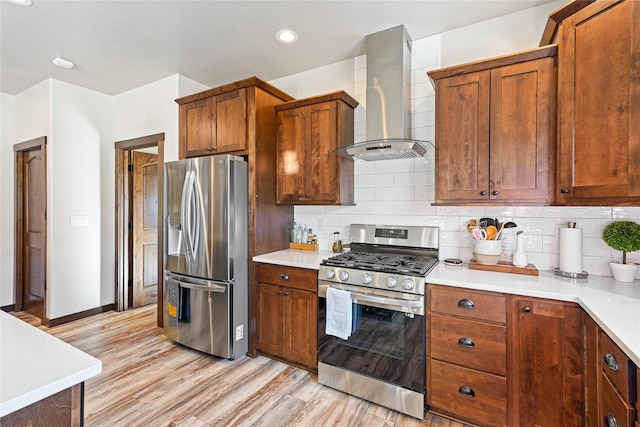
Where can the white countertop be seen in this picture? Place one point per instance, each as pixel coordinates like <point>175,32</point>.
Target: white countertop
<point>35,365</point>
<point>614,306</point>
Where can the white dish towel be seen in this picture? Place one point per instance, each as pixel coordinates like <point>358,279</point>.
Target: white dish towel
<point>339,313</point>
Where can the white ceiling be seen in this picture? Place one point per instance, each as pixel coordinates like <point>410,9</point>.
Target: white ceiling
<point>121,45</point>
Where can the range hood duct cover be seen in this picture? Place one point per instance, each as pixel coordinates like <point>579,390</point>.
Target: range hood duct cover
<point>388,109</point>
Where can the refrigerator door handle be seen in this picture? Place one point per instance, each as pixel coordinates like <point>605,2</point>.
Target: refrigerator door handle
<point>209,288</point>
<point>185,215</point>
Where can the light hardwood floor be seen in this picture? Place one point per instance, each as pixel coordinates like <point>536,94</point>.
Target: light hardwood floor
<point>147,380</point>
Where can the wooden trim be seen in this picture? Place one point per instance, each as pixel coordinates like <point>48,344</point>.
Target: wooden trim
<point>76,316</point>
<point>30,145</point>
<point>496,62</point>
<point>333,96</point>
<point>19,150</point>
<point>122,195</point>
<point>8,308</point>
<point>248,82</point>
<point>556,17</point>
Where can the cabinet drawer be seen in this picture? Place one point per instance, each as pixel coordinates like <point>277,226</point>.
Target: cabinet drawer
<point>470,395</point>
<point>614,407</point>
<point>469,343</point>
<point>299,278</point>
<point>471,304</point>
<point>617,366</point>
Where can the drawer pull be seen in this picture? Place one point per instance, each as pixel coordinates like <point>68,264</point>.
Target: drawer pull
<point>610,420</point>
<point>466,342</point>
<point>610,361</point>
<point>284,276</point>
<point>466,391</point>
<point>466,303</point>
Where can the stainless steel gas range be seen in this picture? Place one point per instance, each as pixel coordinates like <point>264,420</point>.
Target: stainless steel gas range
<point>371,315</point>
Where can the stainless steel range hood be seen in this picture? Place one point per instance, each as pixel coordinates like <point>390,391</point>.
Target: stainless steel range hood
<point>388,108</point>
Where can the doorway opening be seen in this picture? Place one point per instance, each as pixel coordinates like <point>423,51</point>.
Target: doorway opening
<point>31,226</point>
<point>139,234</point>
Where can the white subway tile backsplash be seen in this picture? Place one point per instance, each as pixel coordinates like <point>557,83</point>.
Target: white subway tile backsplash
<point>401,191</point>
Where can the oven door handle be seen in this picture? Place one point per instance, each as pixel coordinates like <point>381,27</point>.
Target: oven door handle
<point>399,304</point>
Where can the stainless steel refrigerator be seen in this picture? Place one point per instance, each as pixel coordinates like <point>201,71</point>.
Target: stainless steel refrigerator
<point>206,245</point>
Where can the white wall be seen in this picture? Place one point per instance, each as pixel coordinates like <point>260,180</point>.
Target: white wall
<point>82,126</point>
<point>401,191</point>
<point>330,78</point>
<point>498,36</point>
<point>7,226</point>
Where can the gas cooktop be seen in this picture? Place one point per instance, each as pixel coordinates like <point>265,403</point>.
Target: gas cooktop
<point>408,265</point>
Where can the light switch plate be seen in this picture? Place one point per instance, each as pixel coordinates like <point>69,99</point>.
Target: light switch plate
<point>79,221</point>
<point>239,332</point>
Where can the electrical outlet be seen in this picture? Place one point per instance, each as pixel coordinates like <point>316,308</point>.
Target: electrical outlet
<point>79,221</point>
<point>322,223</point>
<point>239,332</point>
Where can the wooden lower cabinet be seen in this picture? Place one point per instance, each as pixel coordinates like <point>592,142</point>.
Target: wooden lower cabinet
<point>496,359</point>
<point>287,314</point>
<point>471,395</point>
<point>547,362</point>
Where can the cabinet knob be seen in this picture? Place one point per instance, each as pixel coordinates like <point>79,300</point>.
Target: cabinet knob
<point>300,196</point>
<point>279,292</point>
<point>284,276</point>
<point>466,342</point>
<point>306,196</point>
<point>564,190</point>
<point>610,420</point>
<point>495,192</point>
<point>527,309</point>
<point>465,390</point>
<point>466,303</point>
<point>610,361</point>
<point>483,193</point>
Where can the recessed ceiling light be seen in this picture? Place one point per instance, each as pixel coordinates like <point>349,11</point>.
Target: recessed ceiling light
<point>287,36</point>
<point>64,63</point>
<point>22,2</point>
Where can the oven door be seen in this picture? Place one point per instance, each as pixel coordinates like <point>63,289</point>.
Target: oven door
<point>388,338</point>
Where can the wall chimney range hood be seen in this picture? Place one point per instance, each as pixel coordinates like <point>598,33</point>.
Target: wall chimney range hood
<point>388,109</point>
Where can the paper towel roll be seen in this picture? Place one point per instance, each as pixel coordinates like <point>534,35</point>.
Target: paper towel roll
<point>571,250</point>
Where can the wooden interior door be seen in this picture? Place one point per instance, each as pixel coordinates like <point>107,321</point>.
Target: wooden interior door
<point>145,228</point>
<point>31,226</point>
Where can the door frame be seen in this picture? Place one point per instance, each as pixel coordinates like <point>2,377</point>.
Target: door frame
<point>19,150</point>
<point>122,193</point>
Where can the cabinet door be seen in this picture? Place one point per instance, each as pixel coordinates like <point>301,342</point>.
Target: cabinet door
<point>291,155</point>
<point>195,128</point>
<point>300,327</point>
<point>599,89</point>
<point>462,135</point>
<point>270,320</point>
<point>322,172</point>
<point>522,129</point>
<point>229,121</point>
<point>548,363</point>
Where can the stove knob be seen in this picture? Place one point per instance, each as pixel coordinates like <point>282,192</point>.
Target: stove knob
<point>344,276</point>
<point>330,274</point>
<point>367,279</point>
<point>408,284</point>
<point>391,282</point>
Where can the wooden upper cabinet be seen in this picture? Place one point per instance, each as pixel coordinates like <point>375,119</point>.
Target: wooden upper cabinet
<point>599,90</point>
<point>309,133</point>
<point>599,93</point>
<point>214,125</point>
<point>495,129</point>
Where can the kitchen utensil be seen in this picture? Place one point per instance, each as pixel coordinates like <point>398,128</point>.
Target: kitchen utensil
<point>500,231</point>
<point>479,233</point>
<point>491,232</point>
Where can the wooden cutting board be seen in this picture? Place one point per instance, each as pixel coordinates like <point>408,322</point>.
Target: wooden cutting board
<point>505,267</point>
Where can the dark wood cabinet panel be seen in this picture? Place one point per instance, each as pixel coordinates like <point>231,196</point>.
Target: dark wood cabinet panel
<point>599,134</point>
<point>287,314</point>
<point>195,128</point>
<point>614,409</point>
<point>591,371</point>
<point>310,131</point>
<point>229,121</point>
<point>548,363</point>
<point>469,395</point>
<point>495,130</point>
